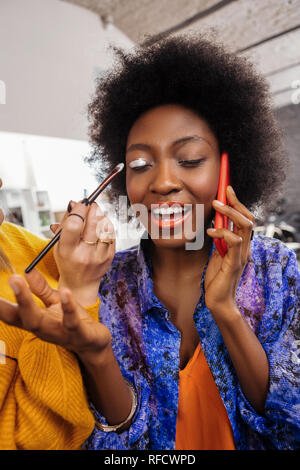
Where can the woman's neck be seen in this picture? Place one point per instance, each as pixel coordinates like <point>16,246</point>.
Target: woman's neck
<point>178,263</point>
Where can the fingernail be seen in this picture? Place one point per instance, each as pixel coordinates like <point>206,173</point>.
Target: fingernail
<point>231,189</point>
<point>53,224</point>
<point>70,206</point>
<point>14,287</point>
<point>219,203</point>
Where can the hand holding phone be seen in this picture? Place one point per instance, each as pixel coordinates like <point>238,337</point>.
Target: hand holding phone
<point>222,221</point>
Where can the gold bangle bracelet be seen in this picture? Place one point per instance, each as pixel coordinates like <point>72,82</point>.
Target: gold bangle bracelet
<point>115,427</point>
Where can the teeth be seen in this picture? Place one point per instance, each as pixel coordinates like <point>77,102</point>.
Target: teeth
<point>169,211</point>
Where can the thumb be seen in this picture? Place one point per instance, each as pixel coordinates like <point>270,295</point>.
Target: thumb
<point>71,318</point>
<point>41,288</point>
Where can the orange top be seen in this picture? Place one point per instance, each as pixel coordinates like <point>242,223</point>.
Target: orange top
<point>202,420</point>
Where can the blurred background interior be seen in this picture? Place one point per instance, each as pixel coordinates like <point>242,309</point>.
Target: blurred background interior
<point>51,53</point>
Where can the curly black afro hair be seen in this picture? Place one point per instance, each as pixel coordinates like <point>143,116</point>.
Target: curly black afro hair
<point>219,86</point>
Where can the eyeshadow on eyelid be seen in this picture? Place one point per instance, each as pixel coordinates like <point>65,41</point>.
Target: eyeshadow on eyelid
<point>137,163</point>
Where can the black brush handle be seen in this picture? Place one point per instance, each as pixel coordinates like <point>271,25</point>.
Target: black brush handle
<point>88,201</point>
<point>43,252</point>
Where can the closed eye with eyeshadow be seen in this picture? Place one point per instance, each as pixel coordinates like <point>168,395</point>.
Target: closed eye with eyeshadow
<point>141,163</point>
<point>191,163</point>
<point>138,163</point>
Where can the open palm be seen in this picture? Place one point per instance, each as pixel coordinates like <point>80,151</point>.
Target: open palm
<point>62,321</point>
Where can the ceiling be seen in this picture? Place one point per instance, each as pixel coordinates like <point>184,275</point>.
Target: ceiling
<point>266,31</point>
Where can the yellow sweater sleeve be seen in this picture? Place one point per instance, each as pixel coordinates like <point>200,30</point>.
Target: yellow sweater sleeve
<point>43,403</point>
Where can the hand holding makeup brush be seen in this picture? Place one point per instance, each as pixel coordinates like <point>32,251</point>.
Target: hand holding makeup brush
<point>85,250</point>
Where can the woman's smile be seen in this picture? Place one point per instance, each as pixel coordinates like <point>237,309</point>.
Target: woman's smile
<point>169,214</point>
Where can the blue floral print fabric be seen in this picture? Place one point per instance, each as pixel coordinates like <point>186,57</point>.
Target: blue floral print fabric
<point>146,345</point>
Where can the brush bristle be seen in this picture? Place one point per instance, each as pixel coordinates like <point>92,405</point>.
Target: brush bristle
<point>119,167</point>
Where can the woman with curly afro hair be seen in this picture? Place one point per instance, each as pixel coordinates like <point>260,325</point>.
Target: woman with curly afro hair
<point>207,339</point>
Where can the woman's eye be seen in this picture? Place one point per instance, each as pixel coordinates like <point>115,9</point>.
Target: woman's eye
<point>139,164</point>
<point>195,162</point>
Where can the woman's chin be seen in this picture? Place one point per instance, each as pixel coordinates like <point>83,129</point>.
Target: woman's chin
<point>180,232</point>
<point>170,242</point>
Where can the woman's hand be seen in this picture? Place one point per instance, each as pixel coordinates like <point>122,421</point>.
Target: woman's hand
<point>223,274</point>
<point>221,281</point>
<point>63,321</point>
<point>81,257</point>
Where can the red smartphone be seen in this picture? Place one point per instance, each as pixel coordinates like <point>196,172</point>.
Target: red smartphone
<point>221,221</point>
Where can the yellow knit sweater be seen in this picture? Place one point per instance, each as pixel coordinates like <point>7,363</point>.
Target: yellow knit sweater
<point>43,404</point>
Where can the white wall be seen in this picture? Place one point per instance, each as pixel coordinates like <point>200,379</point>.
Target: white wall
<point>46,163</point>
<point>55,165</point>
<point>50,52</point>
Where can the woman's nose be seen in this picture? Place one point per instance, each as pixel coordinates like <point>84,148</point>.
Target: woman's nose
<point>165,179</point>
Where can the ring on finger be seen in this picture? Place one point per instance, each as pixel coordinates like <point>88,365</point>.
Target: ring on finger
<point>104,240</point>
<point>89,242</point>
<point>106,237</point>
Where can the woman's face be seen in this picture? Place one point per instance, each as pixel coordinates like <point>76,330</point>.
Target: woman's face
<point>1,211</point>
<point>172,156</point>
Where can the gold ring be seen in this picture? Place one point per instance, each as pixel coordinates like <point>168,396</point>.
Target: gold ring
<point>105,240</point>
<point>106,237</point>
<point>89,243</point>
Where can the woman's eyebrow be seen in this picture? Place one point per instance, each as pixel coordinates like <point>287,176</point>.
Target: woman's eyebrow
<point>138,147</point>
<point>182,140</point>
<point>190,138</point>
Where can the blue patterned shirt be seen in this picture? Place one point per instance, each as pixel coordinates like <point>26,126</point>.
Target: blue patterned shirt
<point>146,345</point>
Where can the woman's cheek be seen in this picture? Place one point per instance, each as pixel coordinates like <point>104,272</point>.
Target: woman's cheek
<point>134,190</point>
<point>205,187</point>
<point>136,196</point>
<point>130,193</point>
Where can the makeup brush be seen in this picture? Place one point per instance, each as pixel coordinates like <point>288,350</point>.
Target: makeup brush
<point>88,201</point>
